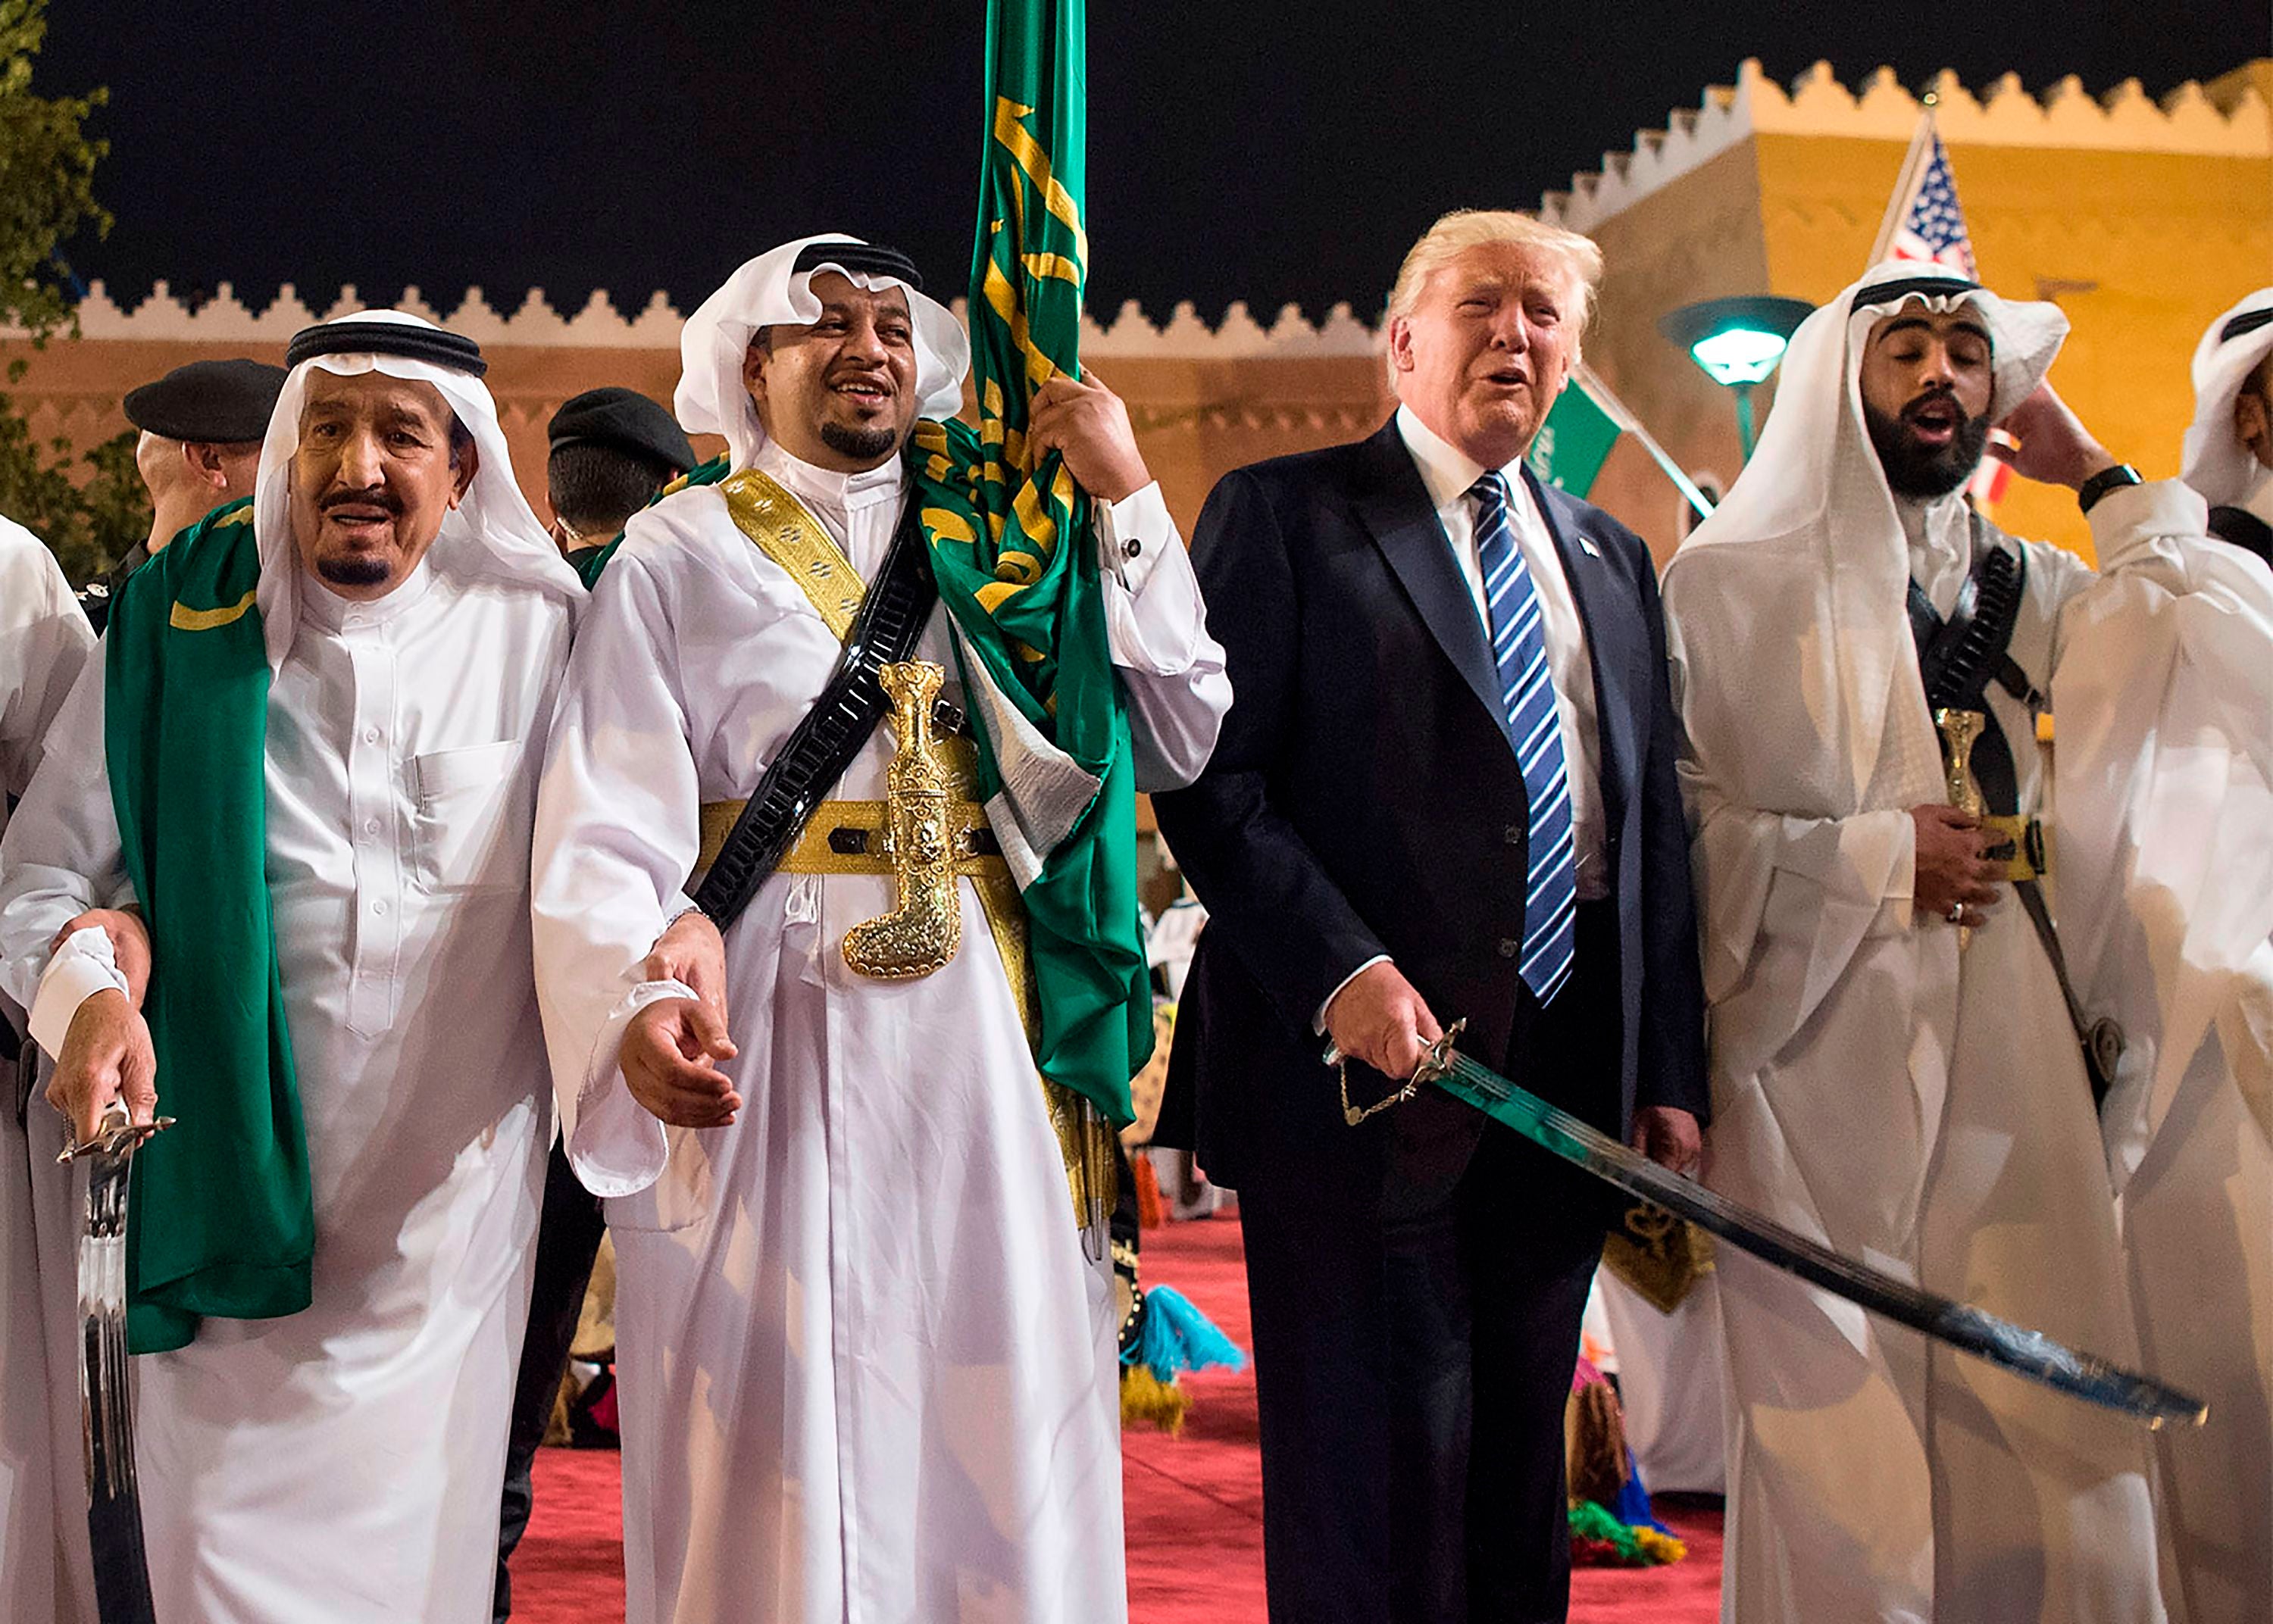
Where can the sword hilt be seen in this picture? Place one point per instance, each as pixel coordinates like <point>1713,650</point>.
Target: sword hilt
<point>1436,1061</point>
<point>115,1133</point>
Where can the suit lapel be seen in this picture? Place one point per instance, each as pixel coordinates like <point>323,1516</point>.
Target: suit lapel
<point>1602,609</point>
<point>1396,510</point>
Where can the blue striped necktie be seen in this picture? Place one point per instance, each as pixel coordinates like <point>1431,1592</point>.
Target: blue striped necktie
<point>1550,909</point>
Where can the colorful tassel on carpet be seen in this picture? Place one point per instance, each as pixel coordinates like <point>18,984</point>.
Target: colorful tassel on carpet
<point>1598,1540</point>
<point>1171,1337</point>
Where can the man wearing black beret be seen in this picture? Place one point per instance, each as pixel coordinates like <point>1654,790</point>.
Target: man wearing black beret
<point>612,450</point>
<point>201,429</point>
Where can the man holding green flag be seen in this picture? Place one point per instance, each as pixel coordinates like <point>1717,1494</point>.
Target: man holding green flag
<point>867,1340</point>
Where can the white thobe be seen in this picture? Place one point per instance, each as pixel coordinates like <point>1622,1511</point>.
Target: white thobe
<point>1929,1112</point>
<point>44,642</point>
<point>343,1463</point>
<point>867,1374</point>
<point>2165,784</point>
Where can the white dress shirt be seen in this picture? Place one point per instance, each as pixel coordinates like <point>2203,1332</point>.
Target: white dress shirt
<point>1448,473</point>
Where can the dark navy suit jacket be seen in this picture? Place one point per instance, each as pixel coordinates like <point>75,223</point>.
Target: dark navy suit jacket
<point>1364,798</point>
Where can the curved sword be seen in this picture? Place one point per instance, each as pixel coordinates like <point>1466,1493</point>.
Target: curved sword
<point>106,1394</point>
<point>2027,1353</point>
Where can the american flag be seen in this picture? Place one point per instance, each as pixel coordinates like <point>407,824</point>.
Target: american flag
<point>1930,225</point>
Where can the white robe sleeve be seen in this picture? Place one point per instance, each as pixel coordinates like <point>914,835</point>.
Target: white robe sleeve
<point>1156,626</point>
<point>618,831</point>
<point>44,643</point>
<point>61,857</point>
<point>2165,762</point>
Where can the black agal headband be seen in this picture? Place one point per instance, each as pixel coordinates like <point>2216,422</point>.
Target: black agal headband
<point>413,342</point>
<point>868,258</point>
<point>2245,323</point>
<point>1902,287</point>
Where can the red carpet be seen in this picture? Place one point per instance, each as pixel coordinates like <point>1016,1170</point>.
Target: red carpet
<point>1195,1502</point>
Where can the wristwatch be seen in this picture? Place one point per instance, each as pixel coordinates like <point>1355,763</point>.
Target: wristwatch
<point>2088,494</point>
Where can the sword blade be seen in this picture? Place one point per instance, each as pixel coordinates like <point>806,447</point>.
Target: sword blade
<point>113,1513</point>
<point>2027,1353</point>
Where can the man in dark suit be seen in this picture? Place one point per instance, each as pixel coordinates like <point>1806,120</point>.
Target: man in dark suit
<point>1445,789</point>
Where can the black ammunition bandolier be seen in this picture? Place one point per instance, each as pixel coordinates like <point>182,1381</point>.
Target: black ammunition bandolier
<point>1958,658</point>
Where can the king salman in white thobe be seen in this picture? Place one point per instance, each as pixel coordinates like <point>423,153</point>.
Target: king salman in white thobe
<point>2166,788</point>
<point>342,1464</point>
<point>1921,1109</point>
<point>867,1374</point>
<point>44,643</point>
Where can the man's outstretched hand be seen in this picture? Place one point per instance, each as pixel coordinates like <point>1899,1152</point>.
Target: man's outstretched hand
<point>670,1055</point>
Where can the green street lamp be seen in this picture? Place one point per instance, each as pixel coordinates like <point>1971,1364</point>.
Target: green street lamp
<point>1738,342</point>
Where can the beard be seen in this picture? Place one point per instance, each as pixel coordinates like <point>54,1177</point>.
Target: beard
<point>356,569</point>
<point>847,441</point>
<point>1925,472</point>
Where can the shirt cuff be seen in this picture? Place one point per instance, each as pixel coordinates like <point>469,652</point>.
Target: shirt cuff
<point>617,1146</point>
<point>1318,1021</point>
<point>1132,532</point>
<point>82,966</point>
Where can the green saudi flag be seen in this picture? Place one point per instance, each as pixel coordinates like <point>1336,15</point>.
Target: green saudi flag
<point>1016,558</point>
<point>1574,442</point>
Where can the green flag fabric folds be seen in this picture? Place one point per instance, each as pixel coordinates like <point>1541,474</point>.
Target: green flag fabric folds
<point>1016,558</point>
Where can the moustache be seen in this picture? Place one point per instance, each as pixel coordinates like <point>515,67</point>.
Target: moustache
<point>376,496</point>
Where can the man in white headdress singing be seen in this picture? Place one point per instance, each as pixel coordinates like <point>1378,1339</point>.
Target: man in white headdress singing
<point>866,1345</point>
<point>298,788</point>
<point>1895,1068</point>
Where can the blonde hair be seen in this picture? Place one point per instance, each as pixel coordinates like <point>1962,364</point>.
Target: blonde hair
<point>1462,229</point>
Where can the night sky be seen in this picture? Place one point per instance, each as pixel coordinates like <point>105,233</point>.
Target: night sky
<point>1273,153</point>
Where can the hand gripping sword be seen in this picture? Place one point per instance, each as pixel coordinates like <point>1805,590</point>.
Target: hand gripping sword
<point>2027,1353</point>
<point>106,1396</point>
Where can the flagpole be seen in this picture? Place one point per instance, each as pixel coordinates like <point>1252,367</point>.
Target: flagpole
<point>1616,410</point>
<point>1906,183</point>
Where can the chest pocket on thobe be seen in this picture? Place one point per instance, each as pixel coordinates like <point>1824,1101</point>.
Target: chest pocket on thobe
<point>471,826</point>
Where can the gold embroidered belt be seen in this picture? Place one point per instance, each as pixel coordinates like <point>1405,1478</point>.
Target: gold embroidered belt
<point>847,837</point>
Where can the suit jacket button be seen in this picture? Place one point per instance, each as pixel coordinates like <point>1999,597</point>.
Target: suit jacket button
<point>1508,947</point>
<point>1512,834</point>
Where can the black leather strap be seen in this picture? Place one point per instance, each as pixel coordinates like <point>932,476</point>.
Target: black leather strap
<point>802,773</point>
<point>1957,659</point>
